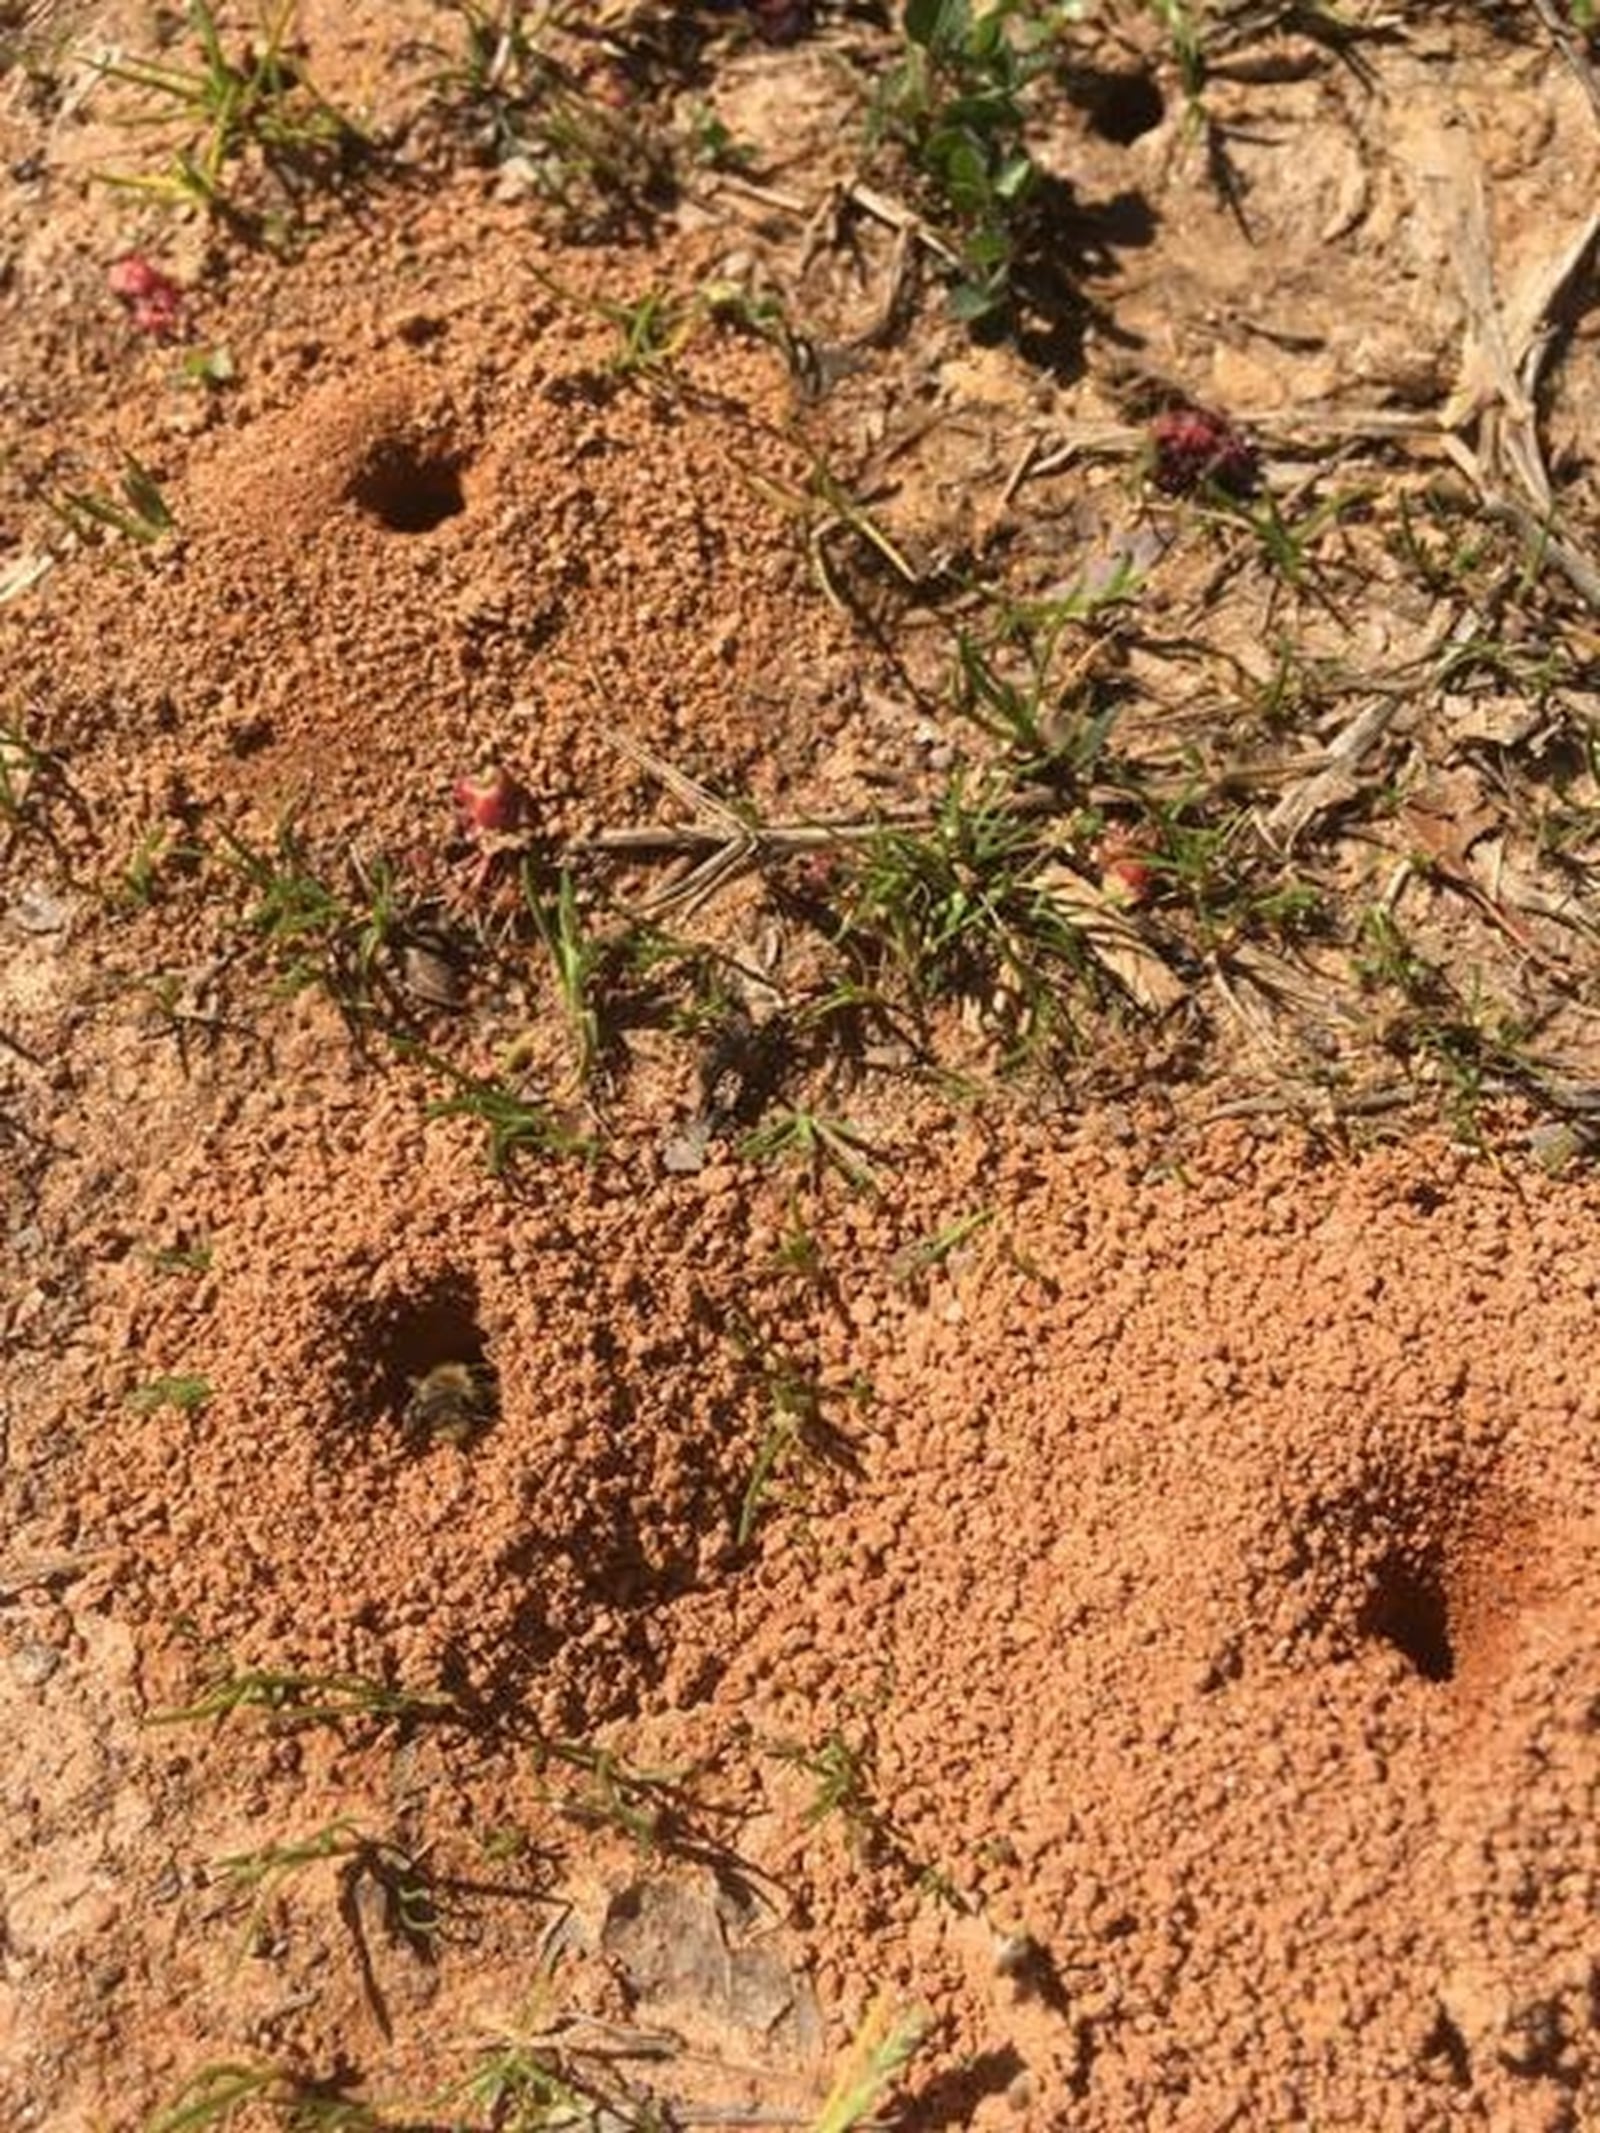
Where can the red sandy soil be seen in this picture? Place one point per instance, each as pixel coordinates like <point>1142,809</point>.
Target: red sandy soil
<point>1166,1651</point>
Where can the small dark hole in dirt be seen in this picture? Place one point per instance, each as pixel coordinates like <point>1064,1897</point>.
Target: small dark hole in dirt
<point>407,493</point>
<point>433,1373</point>
<point>1408,1609</point>
<point>1445,2041</point>
<point>952,2099</point>
<point>1120,107</point>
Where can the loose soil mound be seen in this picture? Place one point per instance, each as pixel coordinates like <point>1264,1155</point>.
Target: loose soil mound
<point>1200,1615</point>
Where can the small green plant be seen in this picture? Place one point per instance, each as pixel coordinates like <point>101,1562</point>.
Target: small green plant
<point>958,910</point>
<point>520,2089</point>
<point>799,1251</point>
<point>1441,540</point>
<point>884,2046</point>
<point>25,769</point>
<point>314,934</point>
<point>296,1699</point>
<point>261,103</point>
<point>1182,25</point>
<point>214,2096</point>
<point>649,1806</point>
<point>652,332</point>
<point>143,515</point>
<point>843,1774</point>
<point>915,1260</point>
<point>1218,870</point>
<point>511,88</point>
<point>579,958</point>
<point>814,1141</point>
<point>1009,679</point>
<point>845,1780</point>
<point>955,102</point>
<point>797,1433</point>
<point>140,876</point>
<point>563,2077</point>
<point>188,1395</point>
<point>516,1125</point>
<point>405,1890</point>
<point>157,860</point>
<point>1287,547</point>
<point>710,142</point>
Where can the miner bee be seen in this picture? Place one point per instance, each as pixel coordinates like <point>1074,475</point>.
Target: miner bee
<point>450,1402</point>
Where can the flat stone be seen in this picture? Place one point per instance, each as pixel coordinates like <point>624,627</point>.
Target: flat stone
<point>33,1664</point>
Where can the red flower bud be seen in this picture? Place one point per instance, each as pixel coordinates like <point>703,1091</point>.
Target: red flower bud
<point>154,300</point>
<point>489,803</point>
<point>1128,881</point>
<point>1193,446</point>
<point>1126,873</point>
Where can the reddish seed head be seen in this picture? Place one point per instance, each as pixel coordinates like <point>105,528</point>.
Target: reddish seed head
<point>133,277</point>
<point>1193,446</point>
<point>1126,873</point>
<point>154,300</point>
<point>1128,881</point>
<point>492,801</point>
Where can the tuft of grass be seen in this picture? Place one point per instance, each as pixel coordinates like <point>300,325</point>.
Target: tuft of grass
<point>842,1771</point>
<point>518,2088</point>
<point>921,1257</point>
<point>142,515</point>
<point>816,1142</point>
<point>214,2096</point>
<point>515,1123</point>
<point>24,769</point>
<point>155,857</point>
<point>884,2046</point>
<point>1182,24</point>
<point>1288,548</point>
<point>798,1433</point>
<point>566,2076</point>
<point>1463,1042</point>
<point>405,1889</point>
<point>844,1774</point>
<point>260,106</point>
<point>1220,871</point>
<point>578,958</point>
<point>314,934</point>
<point>510,86</point>
<point>189,1395</point>
<point>652,332</point>
<point>1010,680</point>
<point>645,1805</point>
<point>297,1699</point>
<point>955,911</point>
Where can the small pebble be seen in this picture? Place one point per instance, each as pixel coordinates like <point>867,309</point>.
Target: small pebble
<point>38,910</point>
<point>33,1664</point>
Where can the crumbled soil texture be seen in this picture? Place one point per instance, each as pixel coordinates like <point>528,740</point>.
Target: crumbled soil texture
<point>899,1354</point>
